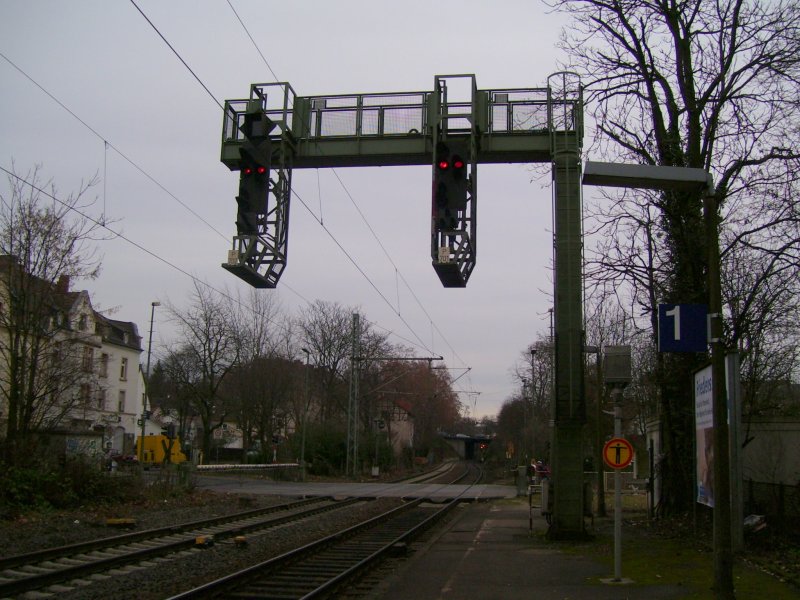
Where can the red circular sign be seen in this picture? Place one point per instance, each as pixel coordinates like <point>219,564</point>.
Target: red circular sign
<point>618,453</point>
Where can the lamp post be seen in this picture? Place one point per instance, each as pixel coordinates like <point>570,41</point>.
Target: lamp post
<point>305,417</point>
<point>525,387</point>
<point>147,380</point>
<point>533,403</point>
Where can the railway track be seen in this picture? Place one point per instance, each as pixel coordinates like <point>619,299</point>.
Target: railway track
<point>322,568</point>
<point>51,567</point>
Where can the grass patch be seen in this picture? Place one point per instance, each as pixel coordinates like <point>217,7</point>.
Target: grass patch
<point>650,558</point>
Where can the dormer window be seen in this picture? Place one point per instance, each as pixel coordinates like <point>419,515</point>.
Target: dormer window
<point>82,322</point>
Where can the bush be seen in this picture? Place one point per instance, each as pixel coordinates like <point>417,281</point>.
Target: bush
<point>27,488</point>
<point>46,487</point>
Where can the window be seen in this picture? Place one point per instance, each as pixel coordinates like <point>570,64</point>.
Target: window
<point>82,323</point>
<point>86,394</point>
<point>123,369</point>
<point>57,353</point>
<point>88,359</point>
<point>121,402</point>
<point>101,399</point>
<point>104,365</point>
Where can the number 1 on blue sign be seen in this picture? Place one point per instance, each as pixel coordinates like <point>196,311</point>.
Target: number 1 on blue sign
<point>676,313</point>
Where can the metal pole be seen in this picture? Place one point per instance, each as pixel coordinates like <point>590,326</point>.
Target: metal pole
<point>305,421</point>
<point>147,381</point>
<point>533,404</point>
<point>601,484</point>
<point>617,492</point>
<point>723,554</point>
<point>524,422</point>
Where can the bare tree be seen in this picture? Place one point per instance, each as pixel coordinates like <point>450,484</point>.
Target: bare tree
<point>256,388</point>
<point>205,353</point>
<point>45,240</point>
<point>705,84</point>
<point>325,329</point>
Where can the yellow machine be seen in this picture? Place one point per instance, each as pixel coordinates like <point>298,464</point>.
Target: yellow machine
<point>156,448</point>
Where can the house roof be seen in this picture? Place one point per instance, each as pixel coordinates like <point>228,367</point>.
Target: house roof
<point>119,333</point>
<point>60,299</point>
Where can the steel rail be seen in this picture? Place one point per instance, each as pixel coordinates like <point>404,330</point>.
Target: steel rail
<point>24,581</point>
<point>342,555</point>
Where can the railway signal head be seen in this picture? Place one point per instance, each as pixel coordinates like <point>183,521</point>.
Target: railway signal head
<point>449,187</point>
<point>252,199</point>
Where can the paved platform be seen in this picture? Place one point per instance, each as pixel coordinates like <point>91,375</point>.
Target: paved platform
<point>248,485</point>
<point>486,553</point>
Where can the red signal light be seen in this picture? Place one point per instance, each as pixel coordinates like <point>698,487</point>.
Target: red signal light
<point>247,171</point>
<point>458,163</point>
<point>261,170</point>
<point>444,165</point>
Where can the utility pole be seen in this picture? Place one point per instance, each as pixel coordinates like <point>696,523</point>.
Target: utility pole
<point>533,403</point>
<point>723,554</point>
<point>305,419</point>
<point>352,412</point>
<point>147,381</point>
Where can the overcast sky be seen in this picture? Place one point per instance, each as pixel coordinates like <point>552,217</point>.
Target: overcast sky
<point>105,63</point>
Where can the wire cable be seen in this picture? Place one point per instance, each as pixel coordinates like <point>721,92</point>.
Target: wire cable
<point>110,145</point>
<point>364,219</point>
<point>252,40</point>
<point>180,58</point>
<point>330,234</point>
<point>133,243</point>
<point>366,222</point>
<point>141,170</point>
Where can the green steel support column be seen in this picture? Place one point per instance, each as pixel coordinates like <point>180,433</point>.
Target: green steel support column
<point>569,408</point>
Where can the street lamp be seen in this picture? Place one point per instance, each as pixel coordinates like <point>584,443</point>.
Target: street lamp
<point>533,403</point>
<point>305,417</point>
<point>147,380</point>
<point>525,386</point>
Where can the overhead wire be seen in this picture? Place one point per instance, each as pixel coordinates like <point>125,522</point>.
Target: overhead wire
<point>180,58</point>
<point>247,31</point>
<point>108,144</point>
<point>346,253</point>
<point>363,218</point>
<point>139,168</point>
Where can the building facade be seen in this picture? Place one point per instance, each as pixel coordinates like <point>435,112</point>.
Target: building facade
<point>64,367</point>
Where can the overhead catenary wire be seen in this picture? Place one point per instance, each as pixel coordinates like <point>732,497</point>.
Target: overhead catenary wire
<point>108,144</point>
<point>180,58</point>
<point>319,219</point>
<point>218,103</point>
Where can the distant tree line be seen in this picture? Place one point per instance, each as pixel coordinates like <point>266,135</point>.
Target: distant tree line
<point>237,359</point>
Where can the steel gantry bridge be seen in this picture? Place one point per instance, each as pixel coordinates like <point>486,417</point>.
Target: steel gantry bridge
<point>454,128</point>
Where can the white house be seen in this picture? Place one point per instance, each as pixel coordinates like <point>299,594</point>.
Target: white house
<point>120,383</point>
<point>89,364</point>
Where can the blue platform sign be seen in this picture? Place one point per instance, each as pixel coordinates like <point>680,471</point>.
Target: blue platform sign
<point>682,328</point>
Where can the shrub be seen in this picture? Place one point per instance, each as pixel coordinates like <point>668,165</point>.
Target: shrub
<point>46,486</point>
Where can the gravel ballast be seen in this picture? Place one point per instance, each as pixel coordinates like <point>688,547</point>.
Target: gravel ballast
<point>172,575</point>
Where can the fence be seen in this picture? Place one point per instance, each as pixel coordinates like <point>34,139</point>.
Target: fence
<point>775,500</point>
